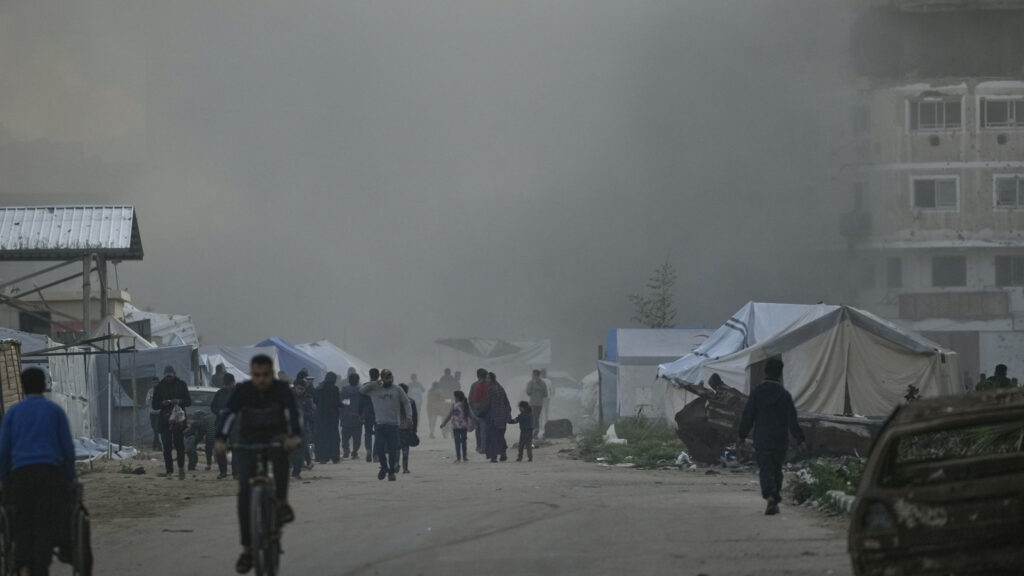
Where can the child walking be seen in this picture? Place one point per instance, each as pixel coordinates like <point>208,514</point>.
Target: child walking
<point>525,421</point>
<point>462,424</point>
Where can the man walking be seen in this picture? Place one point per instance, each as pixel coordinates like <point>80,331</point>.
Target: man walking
<point>537,392</point>
<point>369,418</point>
<point>771,413</point>
<point>171,397</point>
<point>217,406</point>
<point>351,420</point>
<point>37,465</point>
<point>389,401</point>
<point>479,399</point>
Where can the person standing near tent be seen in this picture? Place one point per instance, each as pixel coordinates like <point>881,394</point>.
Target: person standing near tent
<point>328,414</point>
<point>389,404</point>
<point>772,415</point>
<point>366,411</point>
<point>998,381</point>
<point>351,418</point>
<point>448,383</point>
<point>407,430</point>
<point>537,393</point>
<point>154,415</point>
<point>37,464</point>
<point>217,380</point>
<point>171,397</point>
<point>217,407</point>
<point>497,415</point>
<point>302,457</point>
<point>478,399</point>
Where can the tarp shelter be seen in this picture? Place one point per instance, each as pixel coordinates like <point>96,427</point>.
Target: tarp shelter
<point>72,378</point>
<point>638,352</point>
<point>131,387</point>
<point>236,360</point>
<point>126,338</point>
<point>829,351</point>
<point>293,360</point>
<point>336,359</point>
<point>165,329</point>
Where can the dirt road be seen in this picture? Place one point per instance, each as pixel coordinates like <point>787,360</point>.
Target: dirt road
<point>552,516</point>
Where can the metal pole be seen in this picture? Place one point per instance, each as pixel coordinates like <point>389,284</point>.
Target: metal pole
<point>101,271</point>
<point>110,405</point>
<point>86,293</point>
<point>600,389</point>
<point>135,405</point>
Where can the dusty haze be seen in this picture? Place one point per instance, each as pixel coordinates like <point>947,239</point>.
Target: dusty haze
<point>386,173</point>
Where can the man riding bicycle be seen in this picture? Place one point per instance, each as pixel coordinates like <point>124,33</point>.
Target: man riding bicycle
<point>267,411</point>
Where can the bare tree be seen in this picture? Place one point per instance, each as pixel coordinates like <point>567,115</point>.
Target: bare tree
<point>656,309</point>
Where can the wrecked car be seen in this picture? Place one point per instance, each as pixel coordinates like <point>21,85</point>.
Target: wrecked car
<point>943,490</point>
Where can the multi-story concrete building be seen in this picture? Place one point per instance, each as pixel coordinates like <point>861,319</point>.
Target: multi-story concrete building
<point>937,226</point>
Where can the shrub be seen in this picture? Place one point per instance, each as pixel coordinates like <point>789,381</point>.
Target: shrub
<point>649,443</point>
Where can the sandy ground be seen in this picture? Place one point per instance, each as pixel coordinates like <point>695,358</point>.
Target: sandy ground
<point>552,516</point>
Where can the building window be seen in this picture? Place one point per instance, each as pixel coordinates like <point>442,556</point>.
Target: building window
<point>1002,113</point>
<point>936,192</point>
<point>934,114</point>
<point>1009,270</point>
<point>894,272</point>
<point>1009,191</point>
<point>948,271</point>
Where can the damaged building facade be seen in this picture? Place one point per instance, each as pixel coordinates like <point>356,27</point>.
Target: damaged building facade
<point>936,174</point>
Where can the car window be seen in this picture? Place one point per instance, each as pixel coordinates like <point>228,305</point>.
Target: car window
<point>201,398</point>
<point>957,453</point>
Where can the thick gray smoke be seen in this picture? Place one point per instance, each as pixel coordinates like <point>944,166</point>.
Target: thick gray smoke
<point>387,173</point>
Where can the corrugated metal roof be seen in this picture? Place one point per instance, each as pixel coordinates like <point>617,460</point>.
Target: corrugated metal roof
<point>66,232</point>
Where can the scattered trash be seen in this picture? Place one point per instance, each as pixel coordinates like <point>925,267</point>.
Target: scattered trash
<point>683,459</point>
<point>602,459</point>
<point>610,437</point>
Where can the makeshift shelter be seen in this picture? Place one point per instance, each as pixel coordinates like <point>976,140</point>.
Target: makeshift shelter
<point>637,353</point>
<point>336,359</point>
<point>126,337</point>
<point>838,359</point>
<point>236,360</point>
<point>292,359</point>
<point>165,329</point>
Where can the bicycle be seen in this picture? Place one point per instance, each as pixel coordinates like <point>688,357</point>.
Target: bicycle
<point>264,527</point>
<point>80,556</point>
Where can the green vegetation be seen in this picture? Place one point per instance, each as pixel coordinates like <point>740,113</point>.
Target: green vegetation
<point>649,443</point>
<point>823,475</point>
<point>657,308</point>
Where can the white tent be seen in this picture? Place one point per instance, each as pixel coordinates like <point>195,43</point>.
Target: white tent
<point>236,359</point>
<point>828,350</point>
<point>125,337</point>
<point>637,354</point>
<point>336,359</point>
<point>165,329</point>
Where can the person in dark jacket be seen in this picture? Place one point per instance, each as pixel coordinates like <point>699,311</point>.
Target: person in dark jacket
<point>302,456</point>
<point>172,393</point>
<point>351,417</point>
<point>772,415</point>
<point>525,419</point>
<point>325,427</point>
<point>266,410</point>
<point>217,406</point>
<point>369,418</point>
<point>496,416</point>
<point>407,431</point>
<point>37,466</point>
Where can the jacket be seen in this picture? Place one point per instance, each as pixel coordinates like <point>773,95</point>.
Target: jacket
<point>36,431</point>
<point>388,403</point>
<point>351,406</point>
<point>771,413</point>
<point>264,415</point>
<point>169,389</point>
<point>537,392</point>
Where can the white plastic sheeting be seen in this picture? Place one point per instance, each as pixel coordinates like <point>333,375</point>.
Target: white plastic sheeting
<point>124,337</point>
<point>236,359</point>
<point>827,349</point>
<point>89,449</point>
<point>165,329</point>
<point>336,359</point>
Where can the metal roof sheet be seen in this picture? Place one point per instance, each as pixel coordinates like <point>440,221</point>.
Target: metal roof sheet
<point>66,232</point>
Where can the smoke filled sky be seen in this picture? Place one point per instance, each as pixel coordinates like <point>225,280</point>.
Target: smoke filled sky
<point>386,173</point>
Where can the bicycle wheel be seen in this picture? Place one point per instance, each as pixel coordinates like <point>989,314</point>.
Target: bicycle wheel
<point>263,521</point>
<point>81,542</point>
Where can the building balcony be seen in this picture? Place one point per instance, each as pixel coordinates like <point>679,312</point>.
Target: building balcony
<point>954,305</point>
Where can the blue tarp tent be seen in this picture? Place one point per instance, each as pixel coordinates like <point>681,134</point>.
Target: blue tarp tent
<point>292,360</point>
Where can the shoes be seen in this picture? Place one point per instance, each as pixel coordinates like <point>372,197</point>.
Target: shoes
<point>494,460</point>
<point>355,455</point>
<point>181,474</point>
<point>504,457</point>
<point>169,475</point>
<point>221,476</point>
<point>392,477</point>
<point>285,514</point>
<point>345,456</point>
<point>382,474</point>
<point>773,507</point>
<point>369,459</point>
<point>375,458</point>
<point>405,470</point>
<point>520,459</point>
<point>208,467</point>
<point>244,563</point>
<point>297,476</point>
<point>531,458</point>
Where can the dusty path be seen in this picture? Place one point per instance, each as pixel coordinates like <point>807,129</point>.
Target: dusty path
<point>554,516</point>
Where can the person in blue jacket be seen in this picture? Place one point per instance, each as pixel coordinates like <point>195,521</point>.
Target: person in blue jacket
<point>37,465</point>
<point>771,413</point>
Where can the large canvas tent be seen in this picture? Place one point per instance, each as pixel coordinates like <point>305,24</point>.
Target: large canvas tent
<point>236,360</point>
<point>292,359</point>
<point>831,353</point>
<point>336,359</point>
<point>637,353</point>
<point>165,329</point>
